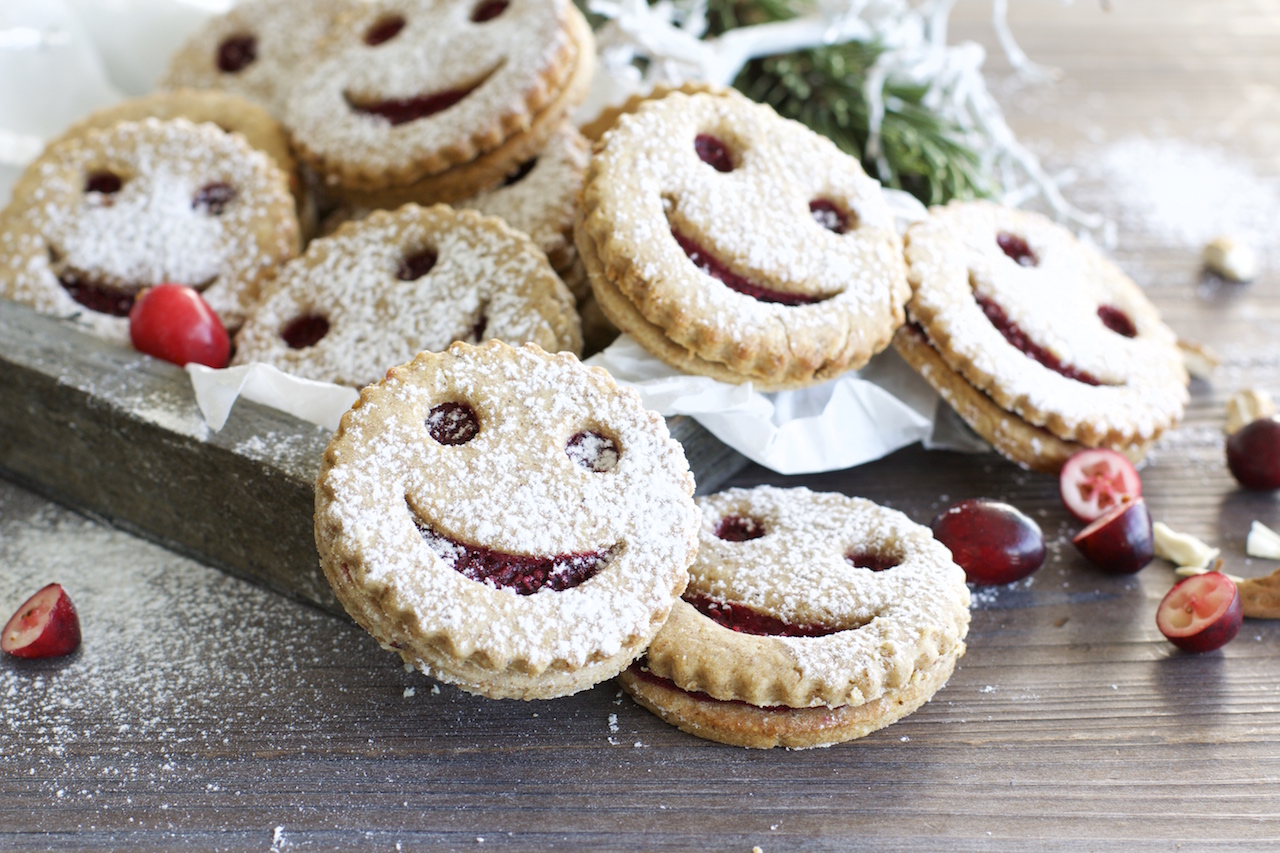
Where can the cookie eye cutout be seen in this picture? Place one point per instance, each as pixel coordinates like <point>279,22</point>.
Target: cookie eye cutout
<point>712,266</point>
<point>452,424</point>
<point>415,266</point>
<point>739,528</point>
<point>872,561</point>
<point>305,331</point>
<point>384,30</point>
<point>521,173</point>
<point>1017,249</point>
<point>213,198</point>
<point>827,214</point>
<point>713,152</point>
<point>400,111</point>
<point>744,620</point>
<point>237,53</point>
<point>593,451</point>
<point>1117,321</point>
<point>488,10</point>
<point>104,182</point>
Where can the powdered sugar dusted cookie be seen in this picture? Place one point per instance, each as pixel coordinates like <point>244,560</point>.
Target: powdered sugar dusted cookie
<point>734,243</point>
<point>385,288</point>
<point>507,520</point>
<point>408,90</point>
<point>810,619</point>
<point>256,49</point>
<point>1044,326</point>
<point>97,218</point>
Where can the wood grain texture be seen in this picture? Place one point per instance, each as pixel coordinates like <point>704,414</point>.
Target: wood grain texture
<point>1069,725</point>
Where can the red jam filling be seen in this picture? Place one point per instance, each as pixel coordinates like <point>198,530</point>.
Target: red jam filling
<point>97,297</point>
<point>713,152</point>
<point>874,562</point>
<point>415,266</point>
<point>738,528</point>
<point>1018,338</point>
<point>593,451</point>
<point>305,331</point>
<point>521,173</point>
<point>704,261</point>
<point>640,669</point>
<point>1117,321</point>
<point>522,573</point>
<point>404,110</point>
<point>213,198</point>
<point>236,53</point>
<point>744,620</point>
<point>106,183</point>
<point>384,30</point>
<point>1017,249</point>
<point>830,217</point>
<point>453,423</point>
<point>488,10</point>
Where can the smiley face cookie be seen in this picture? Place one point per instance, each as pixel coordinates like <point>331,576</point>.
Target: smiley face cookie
<point>1018,323</point>
<point>426,100</point>
<point>96,219</point>
<point>734,243</point>
<point>810,619</point>
<point>383,289</point>
<point>506,520</point>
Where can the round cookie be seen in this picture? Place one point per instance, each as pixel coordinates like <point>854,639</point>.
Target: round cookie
<point>256,49</point>
<point>422,100</point>
<point>1043,325</point>
<point>506,520</point>
<point>809,619</point>
<point>737,244</point>
<point>97,218</point>
<point>383,289</point>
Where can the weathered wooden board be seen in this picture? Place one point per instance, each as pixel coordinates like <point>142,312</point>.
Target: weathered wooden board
<point>118,435</point>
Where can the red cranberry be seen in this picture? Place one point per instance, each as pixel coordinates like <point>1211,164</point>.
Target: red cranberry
<point>1117,321</point>
<point>744,620</point>
<point>453,423</point>
<point>45,626</point>
<point>738,528</point>
<point>213,198</point>
<point>384,30</point>
<point>1201,613</point>
<point>237,53</point>
<point>830,217</point>
<point>415,266</point>
<point>305,331</point>
<point>488,10</point>
<point>173,322</point>
<point>1121,541</point>
<point>106,183</point>
<point>713,152</point>
<point>1253,454</point>
<point>1017,249</point>
<point>992,541</point>
<point>710,265</point>
<point>593,451</point>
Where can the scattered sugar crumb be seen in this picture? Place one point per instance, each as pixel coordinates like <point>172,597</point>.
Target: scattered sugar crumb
<point>408,692</point>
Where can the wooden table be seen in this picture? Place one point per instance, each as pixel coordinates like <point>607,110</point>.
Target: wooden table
<point>205,713</point>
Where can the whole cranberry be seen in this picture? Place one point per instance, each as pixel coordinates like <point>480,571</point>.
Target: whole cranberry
<point>1253,454</point>
<point>992,541</point>
<point>173,322</point>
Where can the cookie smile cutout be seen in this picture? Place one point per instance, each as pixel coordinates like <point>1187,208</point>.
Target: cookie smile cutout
<point>400,111</point>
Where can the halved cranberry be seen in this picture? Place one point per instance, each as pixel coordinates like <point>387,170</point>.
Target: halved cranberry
<point>104,182</point>
<point>1117,321</point>
<point>97,297</point>
<point>415,266</point>
<point>710,265</point>
<point>1121,540</point>
<point>713,152</point>
<point>305,331</point>
<point>237,53</point>
<point>488,10</point>
<point>523,573</point>
<point>453,423</point>
<point>1201,613</point>
<point>738,528</point>
<point>45,626</point>
<point>593,451</point>
<point>213,198</point>
<point>1018,338</point>
<point>521,173</point>
<point>830,217</point>
<point>744,620</point>
<point>874,562</point>
<point>384,30</point>
<point>1017,249</point>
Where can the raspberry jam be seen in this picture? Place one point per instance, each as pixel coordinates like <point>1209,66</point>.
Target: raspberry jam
<point>97,297</point>
<point>522,573</point>
<point>415,266</point>
<point>521,173</point>
<point>1117,321</point>
<point>237,53</point>
<point>713,152</point>
<point>404,110</point>
<point>1017,249</point>
<point>704,261</point>
<point>305,331</point>
<point>384,30</point>
<point>213,198</point>
<point>593,451</point>
<point>744,620</point>
<point>874,562</point>
<point>488,10</point>
<point>1018,338</point>
<point>737,528</point>
<point>830,217</point>
<point>106,183</point>
<point>453,423</point>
